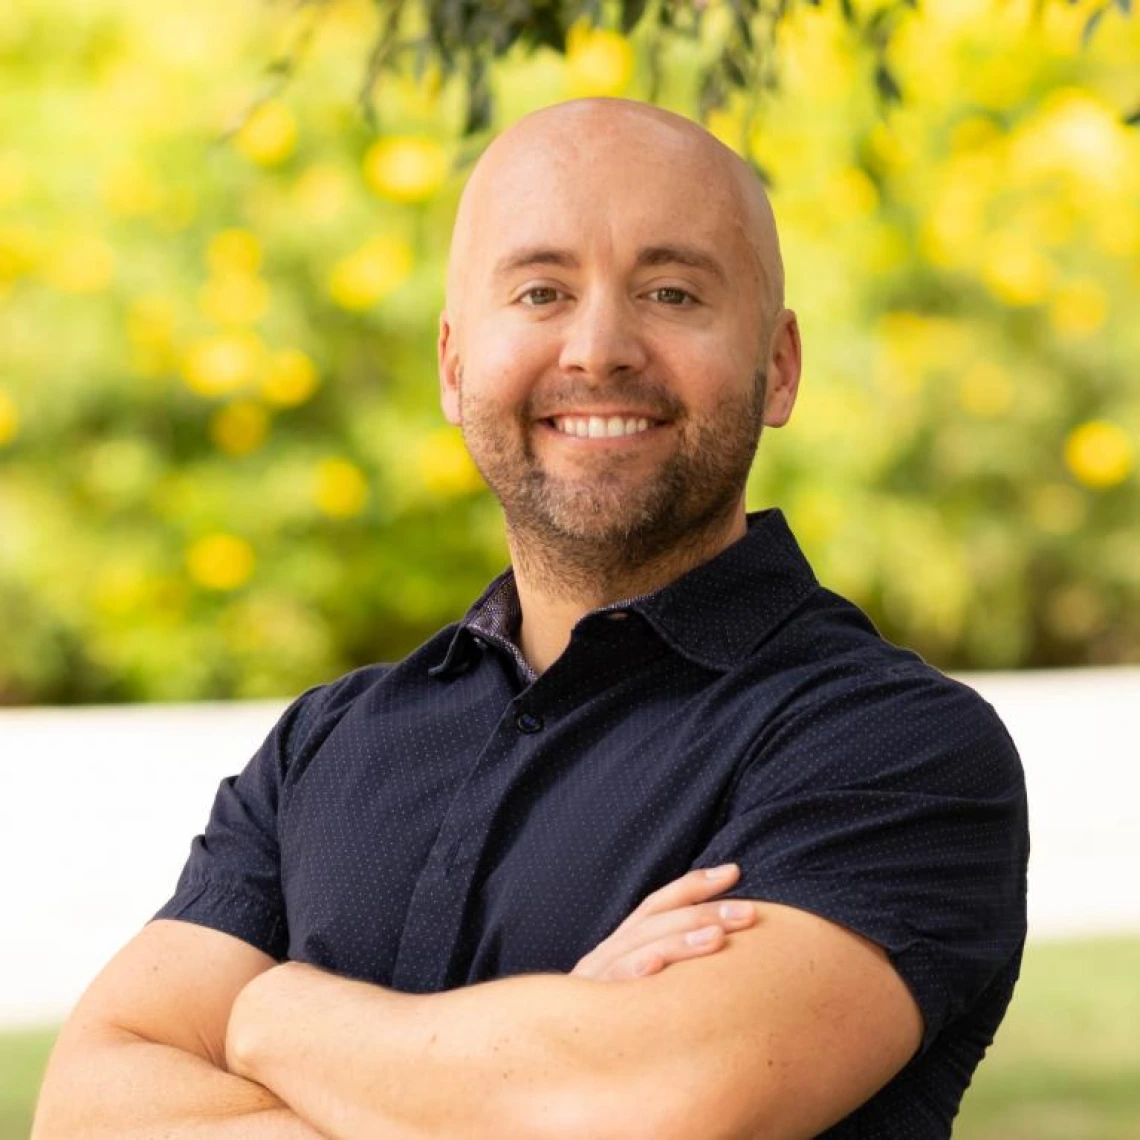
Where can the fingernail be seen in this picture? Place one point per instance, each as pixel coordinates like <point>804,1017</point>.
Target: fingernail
<point>703,936</point>
<point>721,872</point>
<point>736,910</point>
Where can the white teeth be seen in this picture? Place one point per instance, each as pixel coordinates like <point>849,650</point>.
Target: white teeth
<point>601,427</point>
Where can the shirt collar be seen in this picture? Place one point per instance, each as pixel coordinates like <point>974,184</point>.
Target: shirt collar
<point>714,615</point>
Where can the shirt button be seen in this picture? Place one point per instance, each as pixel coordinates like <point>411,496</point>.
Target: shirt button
<point>528,722</point>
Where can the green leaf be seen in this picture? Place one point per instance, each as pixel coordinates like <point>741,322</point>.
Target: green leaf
<point>742,14</point>
<point>631,13</point>
<point>1091,24</point>
<point>733,69</point>
<point>479,106</point>
<point>886,84</point>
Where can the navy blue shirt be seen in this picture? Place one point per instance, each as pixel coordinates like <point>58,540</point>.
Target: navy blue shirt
<point>448,820</point>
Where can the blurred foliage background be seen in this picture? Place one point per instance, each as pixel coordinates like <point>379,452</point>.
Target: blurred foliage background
<point>223,472</point>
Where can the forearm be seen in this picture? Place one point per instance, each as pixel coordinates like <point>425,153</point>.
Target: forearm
<point>522,1057</point>
<point>117,1086</point>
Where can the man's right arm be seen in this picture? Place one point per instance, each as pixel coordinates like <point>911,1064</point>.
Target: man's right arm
<point>143,1053</point>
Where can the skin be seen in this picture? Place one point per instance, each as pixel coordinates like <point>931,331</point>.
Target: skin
<point>144,1053</point>
<point>556,306</point>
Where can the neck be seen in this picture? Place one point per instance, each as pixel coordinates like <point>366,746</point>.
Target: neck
<point>559,584</point>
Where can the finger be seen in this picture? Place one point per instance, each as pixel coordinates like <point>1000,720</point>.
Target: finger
<point>677,948</point>
<point>729,914</point>
<point>640,941</point>
<point>697,885</point>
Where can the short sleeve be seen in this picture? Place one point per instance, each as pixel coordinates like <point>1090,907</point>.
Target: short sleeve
<point>232,880</point>
<point>894,806</point>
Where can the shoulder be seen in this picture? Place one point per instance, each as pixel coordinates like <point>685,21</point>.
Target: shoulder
<point>310,719</point>
<point>319,708</point>
<point>858,707</point>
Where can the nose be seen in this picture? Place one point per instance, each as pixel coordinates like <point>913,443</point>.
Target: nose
<point>602,339</point>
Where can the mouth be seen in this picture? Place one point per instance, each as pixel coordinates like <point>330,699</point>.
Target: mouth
<point>601,427</point>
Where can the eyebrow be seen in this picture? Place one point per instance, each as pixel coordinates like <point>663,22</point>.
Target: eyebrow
<point>652,255</point>
<point>532,256</point>
<point>683,255</point>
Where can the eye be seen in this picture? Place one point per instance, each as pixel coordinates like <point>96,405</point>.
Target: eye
<point>670,295</point>
<point>539,295</point>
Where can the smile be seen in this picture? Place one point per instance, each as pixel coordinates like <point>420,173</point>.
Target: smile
<point>600,427</point>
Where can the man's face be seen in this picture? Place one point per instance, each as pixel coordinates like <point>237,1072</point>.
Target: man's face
<point>605,354</point>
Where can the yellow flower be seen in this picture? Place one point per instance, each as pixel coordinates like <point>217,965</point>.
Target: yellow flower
<point>84,264</point>
<point>222,364</point>
<point>322,193</point>
<point>597,62</point>
<point>1074,135</point>
<point>985,390</point>
<point>1015,272</point>
<point>364,278</point>
<point>815,57</point>
<point>220,561</point>
<point>290,378</point>
<point>444,465</point>
<point>9,419</point>
<point>851,194</point>
<point>341,489</point>
<point>240,427</point>
<point>951,232</point>
<point>405,169</point>
<point>234,299</point>
<point>1099,453</point>
<point>997,81</point>
<point>1079,308</point>
<point>269,136</point>
<point>234,251</point>
<point>974,133</point>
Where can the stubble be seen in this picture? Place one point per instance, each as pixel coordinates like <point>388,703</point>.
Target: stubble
<point>611,531</point>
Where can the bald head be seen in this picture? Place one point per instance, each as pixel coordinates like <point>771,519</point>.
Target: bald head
<point>627,149</point>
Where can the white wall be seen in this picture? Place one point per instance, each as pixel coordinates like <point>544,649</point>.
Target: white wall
<point>98,806</point>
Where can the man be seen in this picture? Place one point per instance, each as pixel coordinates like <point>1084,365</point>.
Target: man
<point>401,914</point>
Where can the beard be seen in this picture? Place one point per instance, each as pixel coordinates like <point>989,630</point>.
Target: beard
<point>613,529</point>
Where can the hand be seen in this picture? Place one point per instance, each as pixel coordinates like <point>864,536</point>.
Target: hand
<point>672,924</point>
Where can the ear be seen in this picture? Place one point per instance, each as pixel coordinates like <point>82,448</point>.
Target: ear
<point>785,362</point>
<point>448,372</point>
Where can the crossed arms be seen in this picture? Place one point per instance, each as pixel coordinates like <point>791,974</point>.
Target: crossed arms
<point>777,1027</point>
